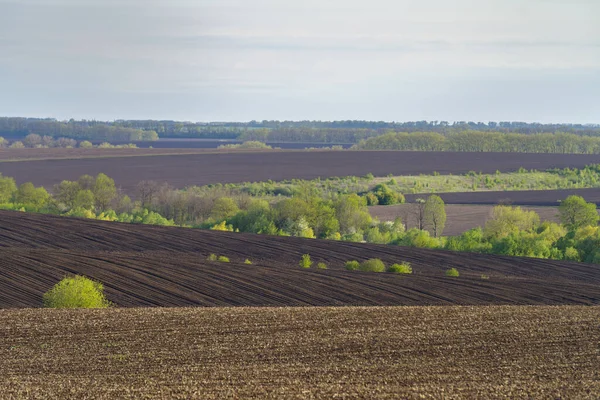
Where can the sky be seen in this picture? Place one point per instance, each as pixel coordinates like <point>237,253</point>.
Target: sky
<point>241,60</point>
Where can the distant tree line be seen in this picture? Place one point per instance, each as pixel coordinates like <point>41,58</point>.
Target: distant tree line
<point>274,131</point>
<point>477,141</point>
<point>81,130</point>
<point>35,141</point>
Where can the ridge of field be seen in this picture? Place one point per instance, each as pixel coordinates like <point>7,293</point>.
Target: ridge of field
<point>143,265</point>
<point>264,353</point>
<point>460,217</point>
<point>234,167</point>
<point>541,198</point>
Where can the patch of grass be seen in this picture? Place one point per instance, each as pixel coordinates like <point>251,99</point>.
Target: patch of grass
<point>372,265</point>
<point>352,265</point>
<point>212,257</point>
<point>453,272</point>
<point>248,262</point>
<point>321,265</point>
<point>223,259</point>
<point>402,268</point>
<point>305,262</point>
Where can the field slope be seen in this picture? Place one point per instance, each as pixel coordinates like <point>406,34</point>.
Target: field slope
<point>308,353</point>
<point>144,265</point>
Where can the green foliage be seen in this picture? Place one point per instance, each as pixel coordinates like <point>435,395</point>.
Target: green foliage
<point>104,191</point>
<point>8,188</point>
<point>402,268</point>
<point>76,292</point>
<point>248,262</point>
<point>372,265</point>
<point>321,265</point>
<point>452,272</point>
<point>253,144</point>
<point>224,208</point>
<point>29,196</point>
<point>305,262</point>
<point>478,141</point>
<point>352,265</point>
<point>212,257</point>
<point>435,215</point>
<point>575,212</point>
<point>387,196</point>
<point>506,220</point>
<point>84,199</point>
<point>223,259</point>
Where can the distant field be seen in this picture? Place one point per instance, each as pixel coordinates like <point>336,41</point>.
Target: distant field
<point>273,353</point>
<point>522,197</point>
<point>231,167</point>
<point>460,218</point>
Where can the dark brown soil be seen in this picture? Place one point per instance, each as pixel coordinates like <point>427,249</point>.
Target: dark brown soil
<point>154,266</point>
<point>306,353</point>
<point>232,167</point>
<point>525,197</point>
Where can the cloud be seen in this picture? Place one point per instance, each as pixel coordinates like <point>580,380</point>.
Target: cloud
<point>305,54</point>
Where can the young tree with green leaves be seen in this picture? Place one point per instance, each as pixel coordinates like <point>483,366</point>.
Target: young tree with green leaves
<point>575,212</point>
<point>104,191</point>
<point>8,188</point>
<point>434,213</point>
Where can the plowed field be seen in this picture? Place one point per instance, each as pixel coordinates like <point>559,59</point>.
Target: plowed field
<point>521,197</point>
<point>460,217</point>
<point>303,353</point>
<point>155,266</point>
<point>231,167</point>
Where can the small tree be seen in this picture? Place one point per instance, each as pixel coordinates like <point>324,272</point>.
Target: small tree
<point>322,265</point>
<point>434,213</point>
<point>305,262</point>
<point>104,191</point>
<point>575,212</point>
<point>76,292</point>
<point>223,259</point>
<point>8,188</point>
<point>212,257</point>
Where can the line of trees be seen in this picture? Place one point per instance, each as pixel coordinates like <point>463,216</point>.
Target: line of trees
<point>476,141</point>
<point>81,130</point>
<point>275,131</point>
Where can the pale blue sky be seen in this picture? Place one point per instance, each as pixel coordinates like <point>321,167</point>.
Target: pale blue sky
<point>208,60</point>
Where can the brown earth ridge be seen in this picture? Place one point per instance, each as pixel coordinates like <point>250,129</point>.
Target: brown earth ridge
<point>144,265</point>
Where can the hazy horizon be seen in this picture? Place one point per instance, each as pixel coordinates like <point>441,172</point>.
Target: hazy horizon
<point>236,60</point>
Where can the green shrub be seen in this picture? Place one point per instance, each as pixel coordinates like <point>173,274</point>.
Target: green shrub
<point>248,262</point>
<point>223,259</point>
<point>305,262</point>
<point>402,268</point>
<point>485,277</point>
<point>352,265</point>
<point>76,292</point>
<point>452,272</point>
<point>322,265</point>
<point>212,257</point>
<point>372,265</point>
